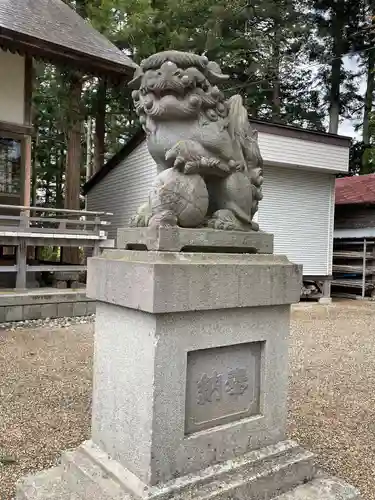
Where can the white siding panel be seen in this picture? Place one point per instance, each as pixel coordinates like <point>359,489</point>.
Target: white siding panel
<point>331,225</point>
<point>12,77</point>
<point>289,151</point>
<point>298,209</point>
<point>124,188</point>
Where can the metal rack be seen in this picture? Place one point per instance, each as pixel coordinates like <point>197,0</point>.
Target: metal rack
<point>354,267</point>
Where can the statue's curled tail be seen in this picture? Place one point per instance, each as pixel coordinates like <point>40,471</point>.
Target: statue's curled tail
<point>238,195</point>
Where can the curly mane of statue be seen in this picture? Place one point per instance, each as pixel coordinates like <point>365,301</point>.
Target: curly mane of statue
<point>207,155</point>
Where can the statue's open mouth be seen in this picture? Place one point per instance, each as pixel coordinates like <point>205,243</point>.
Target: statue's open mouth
<point>177,92</point>
<point>168,92</point>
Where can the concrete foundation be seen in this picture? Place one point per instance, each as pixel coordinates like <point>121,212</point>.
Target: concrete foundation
<point>44,303</point>
<point>326,299</point>
<point>190,384</point>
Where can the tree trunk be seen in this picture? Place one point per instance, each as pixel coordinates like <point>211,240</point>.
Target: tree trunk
<point>276,102</point>
<point>32,251</point>
<point>34,172</point>
<point>334,108</point>
<point>59,179</point>
<point>100,125</point>
<point>276,98</point>
<point>47,198</point>
<point>369,96</point>
<point>88,148</point>
<point>73,159</point>
<point>334,94</point>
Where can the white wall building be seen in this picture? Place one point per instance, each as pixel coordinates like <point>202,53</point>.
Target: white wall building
<point>12,87</point>
<point>299,188</point>
<point>12,125</point>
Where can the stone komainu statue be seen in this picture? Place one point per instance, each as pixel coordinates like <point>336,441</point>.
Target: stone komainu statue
<point>207,155</point>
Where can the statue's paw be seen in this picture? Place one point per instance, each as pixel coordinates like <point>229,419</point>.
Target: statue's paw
<point>225,220</point>
<point>138,220</point>
<point>215,164</point>
<point>141,218</point>
<point>192,167</point>
<point>179,163</point>
<point>207,166</point>
<point>254,226</point>
<point>221,224</point>
<point>165,218</point>
<point>181,153</point>
<point>236,166</point>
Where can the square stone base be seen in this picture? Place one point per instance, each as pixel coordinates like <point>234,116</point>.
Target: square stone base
<point>177,239</point>
<point>283,471</point>
<point>190,384</point>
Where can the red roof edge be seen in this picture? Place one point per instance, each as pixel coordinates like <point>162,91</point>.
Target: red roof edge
<point>355,190</point>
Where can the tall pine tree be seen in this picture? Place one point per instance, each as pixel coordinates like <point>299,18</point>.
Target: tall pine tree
<point>337,24</point>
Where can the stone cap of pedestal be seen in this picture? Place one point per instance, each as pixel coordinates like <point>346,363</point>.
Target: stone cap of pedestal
<point>165,282</point>
<point>175,239</point>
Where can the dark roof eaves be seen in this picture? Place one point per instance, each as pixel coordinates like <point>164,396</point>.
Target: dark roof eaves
<point>56,53</point>
<point>301,133</point>
<point>352,203</point>
<point>125,151</point>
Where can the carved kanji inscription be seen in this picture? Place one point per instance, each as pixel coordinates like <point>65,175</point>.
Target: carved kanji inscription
<point>237,381</point>
<point>209,388</point>
<point>223,385</point>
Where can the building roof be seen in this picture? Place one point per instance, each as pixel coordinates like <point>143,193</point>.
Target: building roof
<point>356,190</point>
<point>135,141</point>
<point>260,125</point>
<point>50,29</point>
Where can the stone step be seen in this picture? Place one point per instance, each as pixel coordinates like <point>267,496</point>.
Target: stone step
<point>88,479</point>
<point>274,469</point>
<point>262,464</point>
<point>50,485</point>
<point>46,485</point>
<point>322,488</point>
<point>274,476</point>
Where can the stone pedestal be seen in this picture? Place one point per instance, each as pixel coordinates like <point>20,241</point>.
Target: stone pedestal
<point>190,384</point>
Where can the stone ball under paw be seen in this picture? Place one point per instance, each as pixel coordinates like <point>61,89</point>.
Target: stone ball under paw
<point>184,195</point>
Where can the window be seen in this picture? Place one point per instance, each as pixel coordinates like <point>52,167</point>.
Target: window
<point>10,165</point>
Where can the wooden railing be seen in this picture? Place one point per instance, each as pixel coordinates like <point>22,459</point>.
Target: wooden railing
<point>67,221</point>
<point>22,226</point>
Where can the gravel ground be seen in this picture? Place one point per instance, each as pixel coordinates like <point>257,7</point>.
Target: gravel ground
<point>45,392</point>
<point>332,388</point>
<point>45,371</point>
